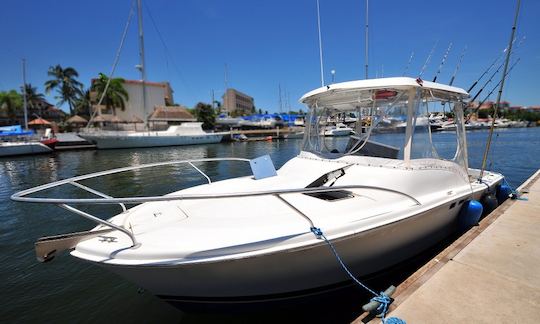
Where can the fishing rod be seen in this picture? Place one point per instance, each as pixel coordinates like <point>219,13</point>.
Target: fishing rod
<point>458,66</point>
<point>488,81</point>
<point>498,69</point>
<point>499,83</point>
<point>408,63</point>
<point>490,136</point>
<point>428,59</point>
<point>492,64</point>
<point>492,90</point>
<point>443,61</point>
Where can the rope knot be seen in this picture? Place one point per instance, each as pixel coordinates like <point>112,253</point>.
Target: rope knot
<point>317,231</point>
<point>384,301</point>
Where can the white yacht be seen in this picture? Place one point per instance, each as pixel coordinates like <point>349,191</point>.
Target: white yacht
<point>183,134</point>
<point>205,245</point>
<point>339,129</point>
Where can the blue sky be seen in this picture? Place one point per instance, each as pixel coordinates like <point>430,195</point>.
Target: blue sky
<point>267,43</point>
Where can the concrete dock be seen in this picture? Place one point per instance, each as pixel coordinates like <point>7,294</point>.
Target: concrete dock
<point>491,274</point>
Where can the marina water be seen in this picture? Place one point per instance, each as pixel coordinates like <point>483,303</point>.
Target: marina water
<point>69,290</point>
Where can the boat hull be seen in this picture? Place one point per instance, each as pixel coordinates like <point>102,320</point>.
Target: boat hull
<point>338,132</point>
<point>25,148</point>
<point>294,273</point>
<point>112,142</point>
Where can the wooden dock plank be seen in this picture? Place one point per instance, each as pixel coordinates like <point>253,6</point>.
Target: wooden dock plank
<point>491,274</point>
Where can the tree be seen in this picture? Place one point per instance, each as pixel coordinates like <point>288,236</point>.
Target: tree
<point>83,104</point>
<point>206,115</point>
<point>115,97</point>
<point>11,102</point>
<point>66,85</point>
<point>34,99</point>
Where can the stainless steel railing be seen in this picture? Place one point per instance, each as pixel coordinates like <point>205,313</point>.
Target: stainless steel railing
<point>22,196</point>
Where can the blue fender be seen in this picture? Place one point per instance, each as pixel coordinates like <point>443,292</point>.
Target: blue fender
<point>503,192</point>
<point>470,214</point>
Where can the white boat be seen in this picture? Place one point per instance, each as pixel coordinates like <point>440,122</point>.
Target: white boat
<point>205,246</point>
<point>183,134</point>
<point>294,135</point>
<point>339,129</point>
<point>23,148</point>
<point>15,141</point>
<point>189,133</point>
<point>299,121</point>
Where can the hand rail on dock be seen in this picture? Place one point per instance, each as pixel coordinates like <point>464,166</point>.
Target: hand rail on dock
<point>66,203</point>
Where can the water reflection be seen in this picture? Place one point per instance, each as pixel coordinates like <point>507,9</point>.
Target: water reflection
<point>67,290</point>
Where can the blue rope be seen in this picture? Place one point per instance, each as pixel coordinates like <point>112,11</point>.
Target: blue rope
<point>515,194</point>
<point>382,298</point>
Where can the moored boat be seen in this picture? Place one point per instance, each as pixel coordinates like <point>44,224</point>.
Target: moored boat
<point>183,134</point>
<point>204,246</point>
<point>16,141</point>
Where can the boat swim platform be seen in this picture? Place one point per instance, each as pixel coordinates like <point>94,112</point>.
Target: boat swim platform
<point>491,274</point>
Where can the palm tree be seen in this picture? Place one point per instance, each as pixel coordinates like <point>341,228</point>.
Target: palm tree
<point>33,97</point>
<point>12,102</point>
<point>115,97</point>
<point>83,104</point>
<point>66,85</point>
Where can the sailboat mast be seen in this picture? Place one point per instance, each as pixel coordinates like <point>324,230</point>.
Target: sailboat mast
<point>25,100</point>
<point>367,39</point>
<point>142,66</point>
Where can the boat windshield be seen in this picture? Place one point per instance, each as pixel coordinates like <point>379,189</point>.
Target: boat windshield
<point>389,123</point>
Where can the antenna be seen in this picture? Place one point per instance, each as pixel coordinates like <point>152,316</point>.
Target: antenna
<point>408,63</point>
<point>367,36</point>
<point>320,43</point>
<point>428,59</point>
<point>442,62</point>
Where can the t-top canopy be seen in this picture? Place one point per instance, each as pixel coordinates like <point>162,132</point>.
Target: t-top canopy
<point>361,91</point>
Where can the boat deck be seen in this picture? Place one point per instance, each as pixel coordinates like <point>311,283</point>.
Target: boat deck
<point>489,275</point>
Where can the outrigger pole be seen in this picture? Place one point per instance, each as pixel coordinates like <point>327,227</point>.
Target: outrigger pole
<point>490,136</point>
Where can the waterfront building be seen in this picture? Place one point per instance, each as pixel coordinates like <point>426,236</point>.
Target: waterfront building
<point>42,109</point>
<point>159,111</point>
<point>236,103</point>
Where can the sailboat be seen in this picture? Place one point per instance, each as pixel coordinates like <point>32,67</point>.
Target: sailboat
<point>189,133</point>
<point>16,141</point>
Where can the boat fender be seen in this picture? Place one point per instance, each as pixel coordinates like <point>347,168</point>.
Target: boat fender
<point>489,202</point>
<point>503,192</point>
<point>470,214</point>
